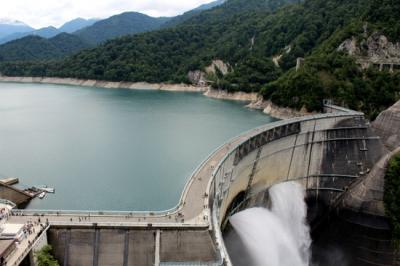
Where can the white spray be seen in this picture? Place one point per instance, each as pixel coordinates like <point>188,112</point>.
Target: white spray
<point>280,236</point>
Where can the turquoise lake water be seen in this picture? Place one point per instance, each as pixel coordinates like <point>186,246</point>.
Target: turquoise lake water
<point>109,149</point>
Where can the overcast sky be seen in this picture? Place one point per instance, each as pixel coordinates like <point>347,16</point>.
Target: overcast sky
<point>41,13</point>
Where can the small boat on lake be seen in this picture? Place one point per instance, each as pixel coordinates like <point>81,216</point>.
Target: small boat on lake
<point>42,195</point>
<point>47,189</point>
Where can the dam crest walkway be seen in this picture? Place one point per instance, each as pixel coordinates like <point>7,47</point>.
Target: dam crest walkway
<point>193,209</point>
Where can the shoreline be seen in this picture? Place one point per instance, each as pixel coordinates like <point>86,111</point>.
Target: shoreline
<point>255,101</point>
<point>105,84</point>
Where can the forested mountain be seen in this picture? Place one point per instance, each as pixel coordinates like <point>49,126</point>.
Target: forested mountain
<point>47,32</point>
<point>166,55</point>
<point>329,73</point>
<point>209,5</point>
<point>247,35</point>
<point>8,27</point>
<point>94,33</point>
<point>76,24</point>
<point>189,14</point>
<point>119,25</point>
<point>37,48</point>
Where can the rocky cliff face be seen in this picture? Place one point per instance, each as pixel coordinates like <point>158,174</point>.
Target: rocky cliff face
<point>379,48</point>
<point>218,65</point>
<point>387,126</point>
<point>367,196</point>
<point>198,77</point>
<point>376,49</point>
<point>276,111</point>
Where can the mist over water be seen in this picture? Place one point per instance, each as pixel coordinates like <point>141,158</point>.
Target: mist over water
<point>280,236</point>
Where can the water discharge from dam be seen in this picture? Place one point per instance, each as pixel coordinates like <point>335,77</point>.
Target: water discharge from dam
<point>280,236</point>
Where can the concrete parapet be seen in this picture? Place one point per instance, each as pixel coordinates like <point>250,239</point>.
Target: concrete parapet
<point>387,126</point>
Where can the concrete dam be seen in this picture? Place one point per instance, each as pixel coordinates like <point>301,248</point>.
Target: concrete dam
<point>328,154</point>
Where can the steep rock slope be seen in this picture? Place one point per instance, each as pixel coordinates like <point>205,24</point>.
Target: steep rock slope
<point>387,126</point>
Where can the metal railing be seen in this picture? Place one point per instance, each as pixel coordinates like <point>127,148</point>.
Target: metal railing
<point>8,202</point>
<point>190,263</point>
<point>30,247</point>
<point>163,213</point>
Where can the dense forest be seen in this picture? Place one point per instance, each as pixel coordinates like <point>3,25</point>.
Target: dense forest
<point>38,48</point>
<point>328,73</point>
<point>247,34</point>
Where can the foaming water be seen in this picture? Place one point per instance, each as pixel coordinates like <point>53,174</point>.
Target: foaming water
<point>280,236</point>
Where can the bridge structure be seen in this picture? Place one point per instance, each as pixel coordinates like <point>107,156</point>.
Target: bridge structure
<point>326,153</point>
<point>391,65</point>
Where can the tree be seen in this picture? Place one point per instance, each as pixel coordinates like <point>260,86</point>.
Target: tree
<point>45,258</point>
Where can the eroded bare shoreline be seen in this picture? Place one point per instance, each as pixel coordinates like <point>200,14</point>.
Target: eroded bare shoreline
<point>255,100</point>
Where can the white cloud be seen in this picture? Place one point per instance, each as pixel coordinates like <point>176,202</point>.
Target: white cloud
<point>42,13</point>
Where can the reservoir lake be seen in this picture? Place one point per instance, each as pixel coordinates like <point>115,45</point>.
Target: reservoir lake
<point>111,149</point>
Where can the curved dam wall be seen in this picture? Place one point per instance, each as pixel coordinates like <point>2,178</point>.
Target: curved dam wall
<point>326,153</point>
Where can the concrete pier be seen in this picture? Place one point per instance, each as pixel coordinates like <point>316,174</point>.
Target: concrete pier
<point>10,181</point>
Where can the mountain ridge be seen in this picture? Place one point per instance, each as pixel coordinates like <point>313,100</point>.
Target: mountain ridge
<point>76,24</point>
<point>119,25</point>
<point>47,32</point>
<point>40,48</point>
<point>8,26</point>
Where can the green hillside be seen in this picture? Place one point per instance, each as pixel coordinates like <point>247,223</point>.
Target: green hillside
<point>328,73</point>
<point>38,48</point>
<point>165,55</point>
